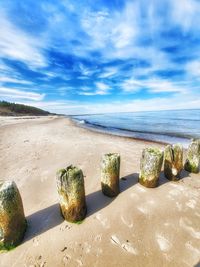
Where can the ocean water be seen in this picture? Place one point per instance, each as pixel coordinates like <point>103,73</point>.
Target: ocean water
<point>170,126</point>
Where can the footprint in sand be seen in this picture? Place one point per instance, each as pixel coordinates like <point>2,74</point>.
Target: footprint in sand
<point>87,247</point>
<point>65,227</point>
<point>163,243</point>
<point>126,222</point>
<point>186,224</point>
<point>99,252</point>
<point>98,237</point>
<point>179,206</point>
<point>143,210</point>
<point>66,259</point>
<point>35,241</point>
<point>80,263</point>
<point>127,246</point>
<point>103,221</point>
<point>36,261</point>
<point>191,203</point>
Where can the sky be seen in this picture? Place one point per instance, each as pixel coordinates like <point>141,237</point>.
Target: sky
<point>76,57</point>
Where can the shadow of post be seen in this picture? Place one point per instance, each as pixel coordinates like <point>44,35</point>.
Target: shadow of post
<point>42,221</point>
<point>48,218</point>
<point>97,200</point>
<point>163,180</point>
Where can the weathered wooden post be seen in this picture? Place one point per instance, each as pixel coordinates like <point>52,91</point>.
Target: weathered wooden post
<point>12,220</point>
<point>71,190</point>
<point>150,167</point>
<point>193,157</point>
<point>173,162</point>
<point>110,169</point>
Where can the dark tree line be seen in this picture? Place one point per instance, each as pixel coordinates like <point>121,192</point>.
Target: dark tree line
<point>22,109</point>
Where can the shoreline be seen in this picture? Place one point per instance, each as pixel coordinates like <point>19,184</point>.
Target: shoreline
<point>76,124</point>
<point>159,127</point>
<point>117,135</point>
<point>133,227</point>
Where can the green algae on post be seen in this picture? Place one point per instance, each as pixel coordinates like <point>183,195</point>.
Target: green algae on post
<point>150,167</point>
<point>110,169</point>
<point>193,157</point>
<point>12,219</point>
<point>71,190</point>
<point>173,162</point>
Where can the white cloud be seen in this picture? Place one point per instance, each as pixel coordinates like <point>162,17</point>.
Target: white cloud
<point>185,13</point>
<point>87,71</point>
<point>111,31</point>
<point>13,80</point>
<point>153,85</point>
<point>193,68</point>
<point>131,85</point>
<point>126,26</point>
<point>159,86</point>
<point>11,93</point>
<point>108,72</point>
<point>98,26</point>
<point>102,88</point>
<point>16,44</point>
<point>88,93</point>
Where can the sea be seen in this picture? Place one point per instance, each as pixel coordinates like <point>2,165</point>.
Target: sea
<point>170,126</point>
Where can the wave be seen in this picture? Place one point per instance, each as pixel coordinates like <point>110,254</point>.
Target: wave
<point>121,129</point>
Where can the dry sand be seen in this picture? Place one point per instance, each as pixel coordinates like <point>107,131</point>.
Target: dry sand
<point>140,227</point>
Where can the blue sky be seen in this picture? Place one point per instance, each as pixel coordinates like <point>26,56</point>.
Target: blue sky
<point>100,56</point>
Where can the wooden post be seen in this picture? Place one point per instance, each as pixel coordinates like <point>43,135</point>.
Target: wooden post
<point>71,190</point>
<point>12,220</point>
<point>150,167</point>
<point>110,169</point>
<point>173,162</point>
<point>193,157</point>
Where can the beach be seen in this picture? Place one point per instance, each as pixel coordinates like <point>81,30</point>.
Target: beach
<point>140,227</point>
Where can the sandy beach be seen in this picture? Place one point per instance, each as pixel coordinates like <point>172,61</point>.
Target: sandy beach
<point>140,227</point>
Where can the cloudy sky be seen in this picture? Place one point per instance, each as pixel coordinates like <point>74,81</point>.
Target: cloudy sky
<point>100,56</point>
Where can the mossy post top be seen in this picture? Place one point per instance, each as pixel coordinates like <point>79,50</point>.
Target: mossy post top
<point>153,151</point>
<point>194,148</point>
<point>195,142</point>
<point>176,146</point>
<point>110,163</point>
<point>173,148</point>
<point>4,185</point>
<point>7,188</point>
<point>111,156</point>
<point>72,172</point>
